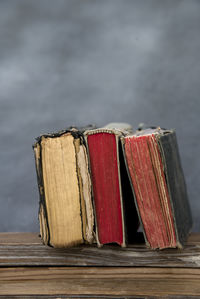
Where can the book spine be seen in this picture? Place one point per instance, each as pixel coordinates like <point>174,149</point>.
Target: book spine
<point>176,185</point>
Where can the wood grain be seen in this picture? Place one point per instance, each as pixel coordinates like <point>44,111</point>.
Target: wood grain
<point>97,296</point>
<point>27,250</point>
<point>31,270</point>
<point>99,281</point>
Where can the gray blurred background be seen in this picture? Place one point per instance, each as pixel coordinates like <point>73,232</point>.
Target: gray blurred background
<point>70,62</point>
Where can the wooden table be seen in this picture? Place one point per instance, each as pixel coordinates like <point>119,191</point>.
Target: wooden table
<point>29,269</point>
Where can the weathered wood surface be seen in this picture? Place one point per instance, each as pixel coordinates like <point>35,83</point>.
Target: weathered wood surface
<point>27,250</point>
<point>96,297</point>
<point>28,269</point>
<point>99,281</point>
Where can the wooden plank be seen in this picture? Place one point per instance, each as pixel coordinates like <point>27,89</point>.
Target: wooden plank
<point>100,281</point>
<point>27,250</point>
<point>96,297</point>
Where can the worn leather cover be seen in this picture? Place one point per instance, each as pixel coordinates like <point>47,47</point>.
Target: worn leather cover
<point>176,185</point>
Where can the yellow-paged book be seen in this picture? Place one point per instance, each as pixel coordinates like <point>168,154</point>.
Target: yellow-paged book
<point>65,211</point>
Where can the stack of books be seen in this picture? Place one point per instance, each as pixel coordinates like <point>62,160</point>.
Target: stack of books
<point>98,185</point>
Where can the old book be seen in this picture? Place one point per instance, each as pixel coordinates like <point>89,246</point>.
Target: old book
<point>65,211</point>
<point>154,167</point>
<point>115,213</point>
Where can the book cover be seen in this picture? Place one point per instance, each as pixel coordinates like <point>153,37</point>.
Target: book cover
<point>115,213</point>
<point>65,209</point>
<point>158,184</point>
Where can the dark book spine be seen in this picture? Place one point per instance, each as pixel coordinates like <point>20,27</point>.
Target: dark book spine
<point>176,185</point>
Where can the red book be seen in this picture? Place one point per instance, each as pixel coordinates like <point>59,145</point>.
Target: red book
<point>154,167</point>
<point>116,217</point>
